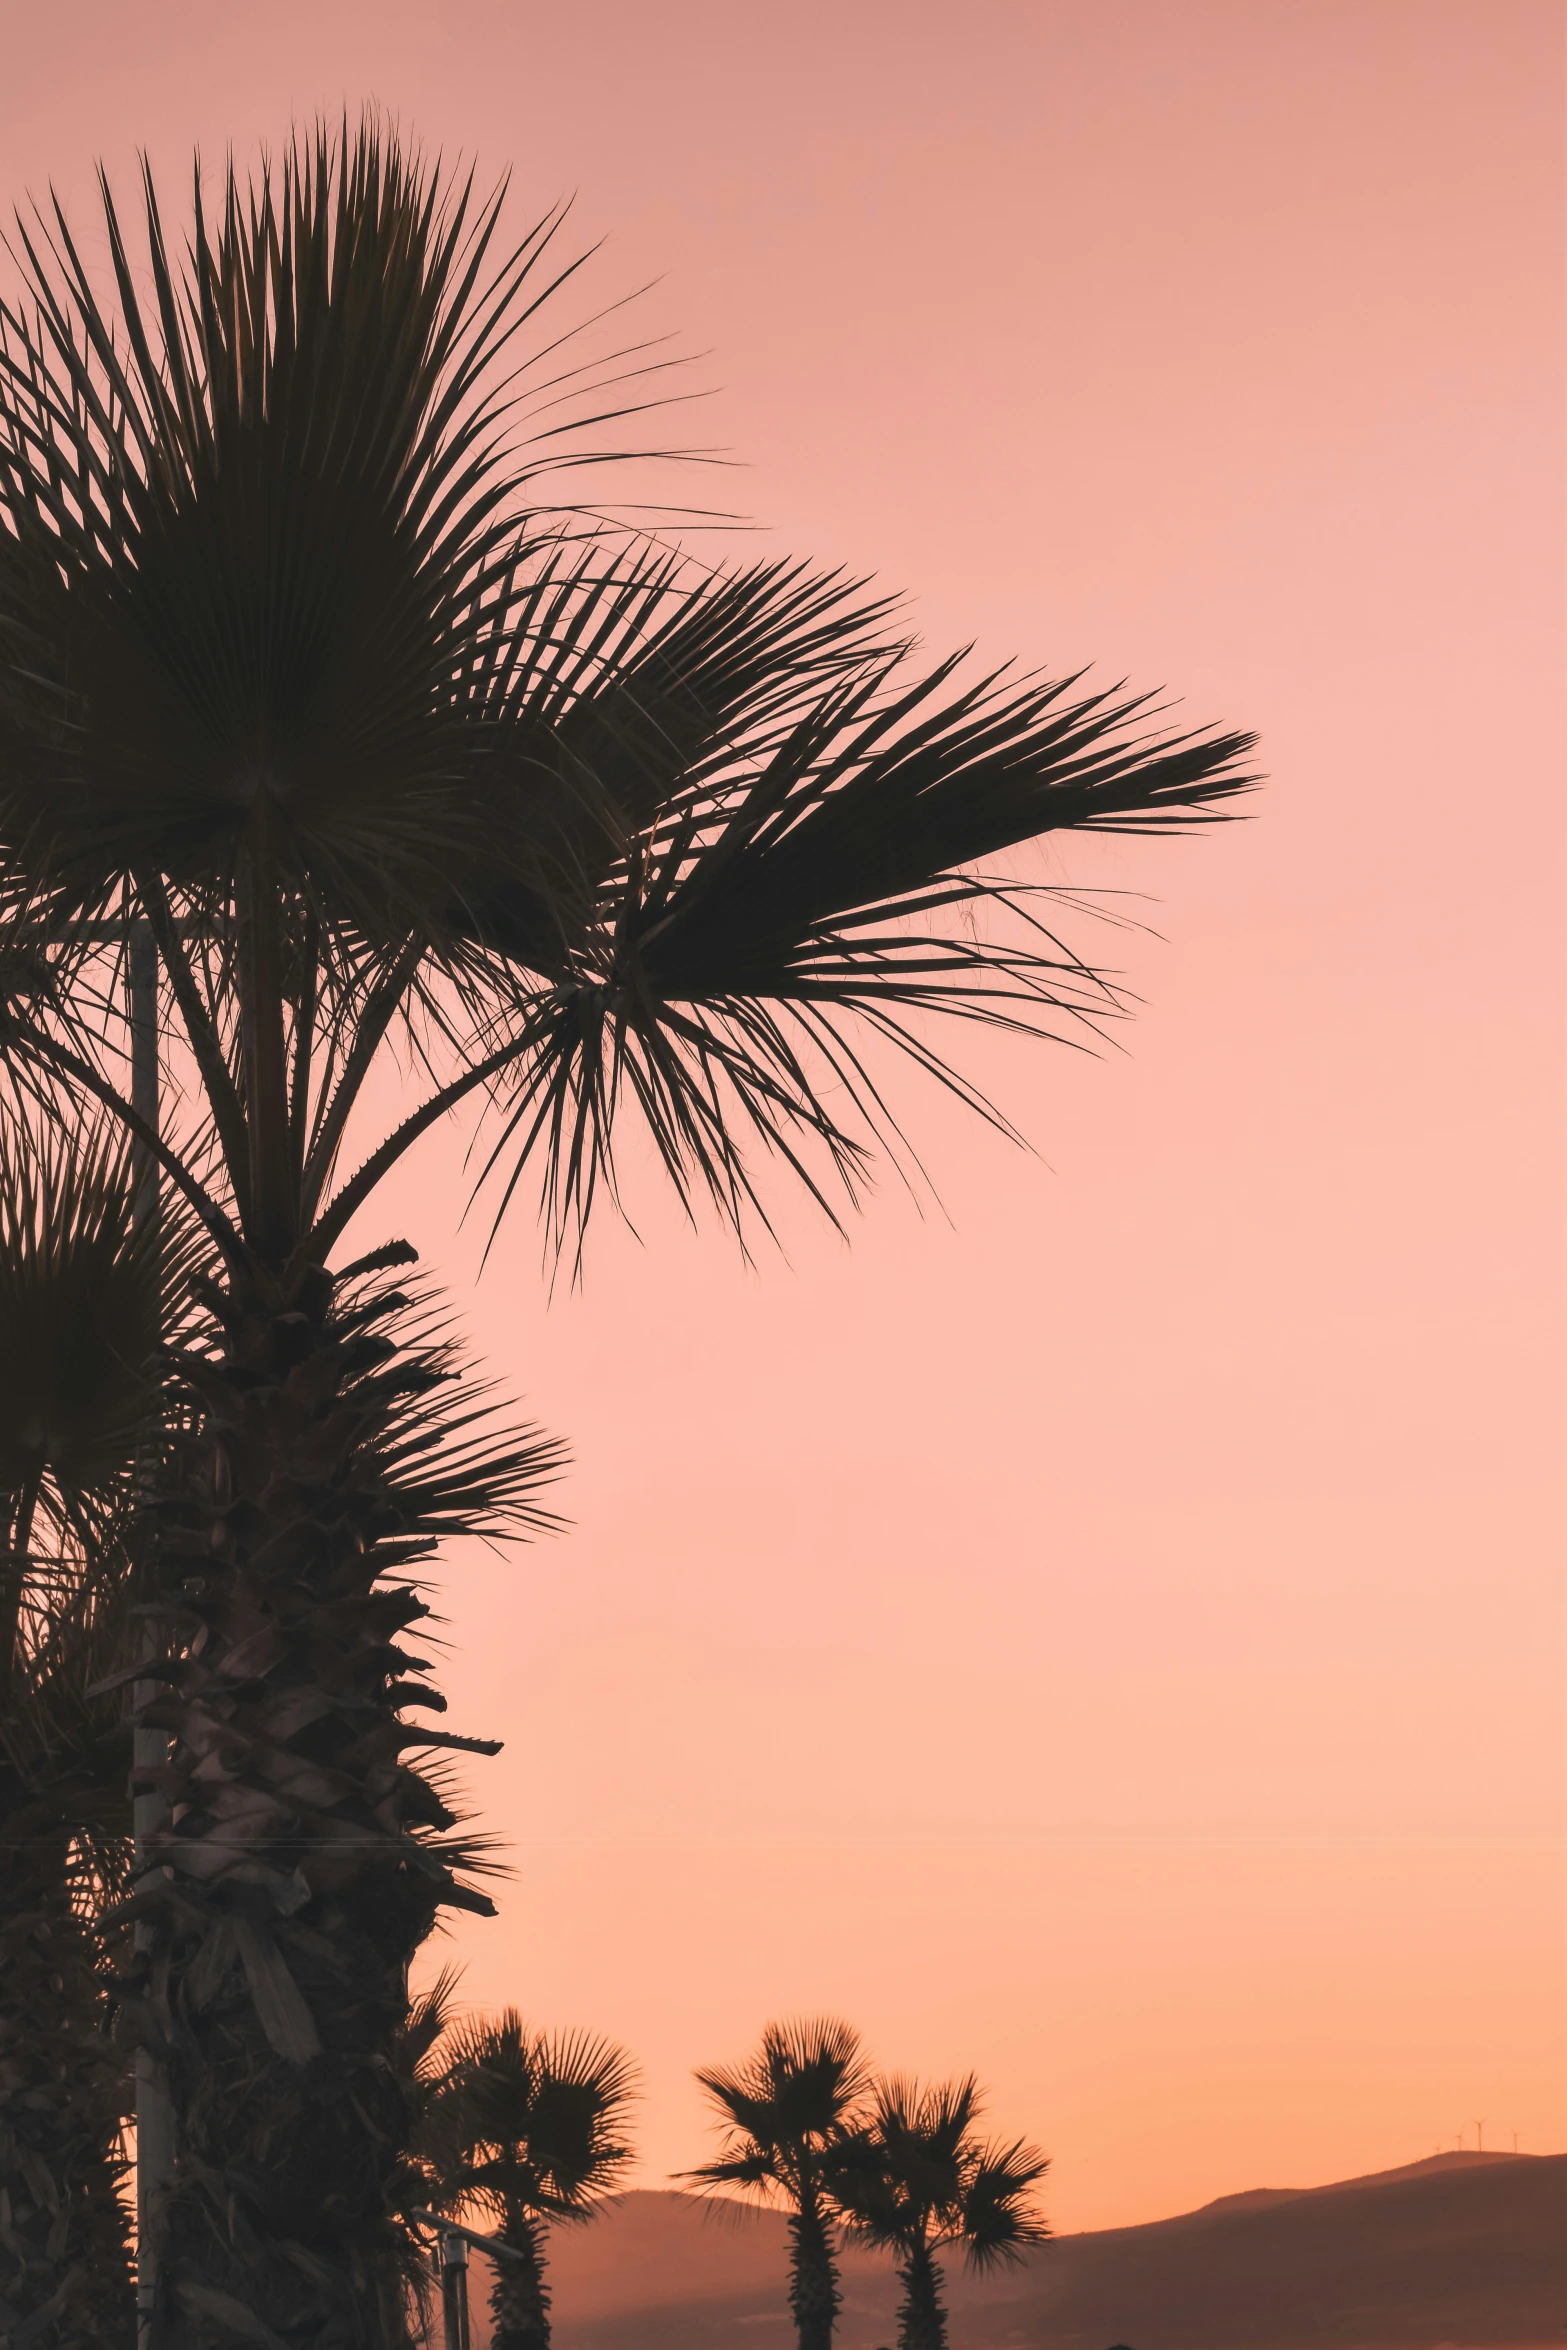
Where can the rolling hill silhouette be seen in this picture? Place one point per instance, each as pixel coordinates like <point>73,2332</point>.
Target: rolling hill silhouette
<point>1461,2252</point>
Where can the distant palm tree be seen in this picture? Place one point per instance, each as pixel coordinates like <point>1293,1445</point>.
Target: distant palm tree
<point>85,1293</point>
<point>527,2130</point>
<point>916,2180</point>
<point>787,2114</point>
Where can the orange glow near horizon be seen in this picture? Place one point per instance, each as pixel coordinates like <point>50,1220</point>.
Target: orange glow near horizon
<point>1107,1634</point>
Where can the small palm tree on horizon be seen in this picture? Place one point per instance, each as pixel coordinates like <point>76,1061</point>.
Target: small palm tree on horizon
<point>526,2129</point>
<point>916,2180</point>
<point>786,2113</point>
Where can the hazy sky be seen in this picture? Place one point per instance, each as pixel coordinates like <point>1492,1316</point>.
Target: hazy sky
<point>1111,1638</point>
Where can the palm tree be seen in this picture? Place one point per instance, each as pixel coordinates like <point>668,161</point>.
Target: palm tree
<point>527,2130</point>
<point>299,667</point>
<point>916,2180</point>
<point>788,2113</point>
<point>85,1291</point>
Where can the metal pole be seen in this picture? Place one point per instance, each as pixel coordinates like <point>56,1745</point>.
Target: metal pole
<point>454,2290</point>
<point>154,2114</point>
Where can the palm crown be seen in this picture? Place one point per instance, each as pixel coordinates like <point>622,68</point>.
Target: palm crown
<point>918,2173</point>
<point>917,2177</point>
<point>301,671</point>
<point>529,2123</point>
<point>785,2107</point>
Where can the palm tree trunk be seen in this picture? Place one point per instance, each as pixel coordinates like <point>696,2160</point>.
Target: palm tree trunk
<point>519,2297</point>
<point>813,2277</point>
<point>922,2318</point>
<point>65,2275</point>
<point>292,1884</point>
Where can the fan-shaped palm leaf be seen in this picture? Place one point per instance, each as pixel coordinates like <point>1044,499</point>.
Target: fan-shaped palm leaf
<point>762,830</point>
<point>87,1292</point>
<point>266,507</point>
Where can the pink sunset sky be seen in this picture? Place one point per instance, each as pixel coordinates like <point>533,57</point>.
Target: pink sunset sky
<point>1105,1630</point>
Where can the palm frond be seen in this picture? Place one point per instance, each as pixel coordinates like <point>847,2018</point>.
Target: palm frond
<point>431,2016</point>
<point>523,2121</point>
<point>915,2177</point>
<point>88,1291</point>
<point>753,2172</point>
<point>446,1453</point>
<point>753,832</point>
<point>999,2222</point>
<point>255,519</point>
<point>783,2107</point>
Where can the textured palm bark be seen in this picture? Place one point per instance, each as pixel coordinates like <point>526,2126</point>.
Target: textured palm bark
<point>814,2297</point>
<point>293,1882</point>
<point>922,2317</point>
<point>65,2275</point>
<point>519,2297</point>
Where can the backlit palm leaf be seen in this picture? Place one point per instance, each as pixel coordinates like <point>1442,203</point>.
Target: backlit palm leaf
<point>87,1293</point>
<point>258,519</point>
<point>760,829</point>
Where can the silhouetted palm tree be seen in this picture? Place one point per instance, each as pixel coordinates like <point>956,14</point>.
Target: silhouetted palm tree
<point>916,2180</point>
<point>84,1296</point>
<point>787,2113</point>
<point>529,2132</point>
<point>298,666</point>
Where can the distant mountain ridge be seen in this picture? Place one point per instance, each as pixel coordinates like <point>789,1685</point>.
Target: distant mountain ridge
<point>1459,2252</point>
